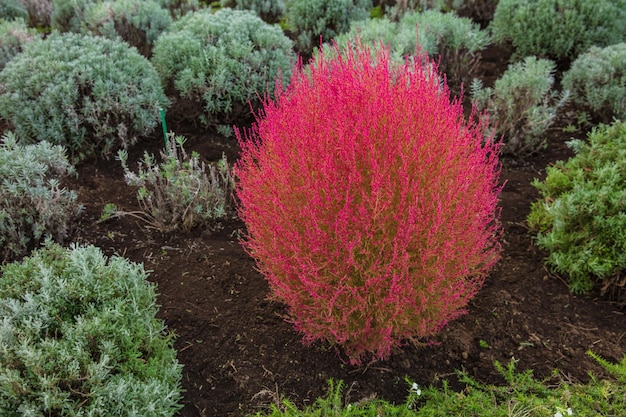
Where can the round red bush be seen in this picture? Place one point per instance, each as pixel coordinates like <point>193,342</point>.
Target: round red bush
<point>369,200</point>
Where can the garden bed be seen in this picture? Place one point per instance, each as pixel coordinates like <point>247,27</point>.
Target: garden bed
<point>239,353</point>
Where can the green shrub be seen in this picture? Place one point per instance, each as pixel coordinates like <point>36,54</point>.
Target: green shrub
<point>597,82</point>
<point>454,42</point>
<point>69,15</point>
<point>11,9</point>
<point>312,19</point>
<point>581,216</point>
<point>33,206</point>
<point>523,395</point>
<point>220,62</point>
<point>178,8</point>
<point>79,337</point>
<point>558,29</point>
<point>87,93</point>
<point>180,192</point>
<point>39,12</point>
<point>13,35</point>
<point>269,10</point>
<point>521,105</point>
<point>138,22</point>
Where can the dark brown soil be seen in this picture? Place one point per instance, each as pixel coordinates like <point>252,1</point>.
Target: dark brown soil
<point>239,354</point>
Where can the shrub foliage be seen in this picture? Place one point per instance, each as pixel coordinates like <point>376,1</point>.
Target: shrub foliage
<point>33,205</point>
<point>221,61</point>
<point>558,29</point>
<point>370,205</point>
<point>522,105</point>
<point>181,192</point>
<point>13,35</point>
<point>87,93</point>
<point>79,336</point>
<point>597,82</point>
<point>581,218</point>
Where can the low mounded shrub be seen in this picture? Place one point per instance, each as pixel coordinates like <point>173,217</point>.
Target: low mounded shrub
<point>87,93</point>
<point>13,9</point>
<point>138,22</point>
<point>453,42</point>
<point>182,191</point>
<point>269,10</point>
<point>39,12</point>
<point>522,105</point>
<point>581,217</point>
<point>558,29</point>
<point>178,8</point>
<point>33,205</point>
<point>220,62</point>
<point>597,82</point>
<point>316,21</point>
<point>79,336</point>
<point>69,15</point>
<point>13,35</point>
<point>370,205</point>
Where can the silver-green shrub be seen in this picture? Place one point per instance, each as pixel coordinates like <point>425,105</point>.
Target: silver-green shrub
<point>269,10</point>
<point>39,12</point>
<point>521,105</point>
<point>11,9</point>
<point>181,192</point>
<point>79,337</point>
<point>69,15</point>
<point>597,82</point>
<point>452,41</point>
<point>178,8</point>
<point>88,93</point>
<point>219,62</point>
<point>311,20</point>
<point>558,29</point>
<point>138,22</point>
<point>13,35</point>
<point>581,216</point>
<point>33,205</point>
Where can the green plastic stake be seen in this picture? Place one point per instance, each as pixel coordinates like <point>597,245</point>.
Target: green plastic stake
<point>167,142</point>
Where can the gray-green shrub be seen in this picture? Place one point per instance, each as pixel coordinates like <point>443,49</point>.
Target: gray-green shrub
<point>558,29</point>
<point>220,62</point>
<point>88,93</point>
<point>13,35</point>
<point>69,15</point>
<point>181,192</point>
<point>11,9</point>
<point>39,12</point>
<point>138,22</point>
<point>597,82</point>
<point>33,205</point>
<point>311,20</point>
<point>521,105</point>
<point>269,10</point>
<point>178,8</point>
<point>454,42</point>
<point>79,337</point>
<point>580,219</point>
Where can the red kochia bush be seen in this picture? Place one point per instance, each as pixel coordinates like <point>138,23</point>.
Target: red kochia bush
<point>370,204</point>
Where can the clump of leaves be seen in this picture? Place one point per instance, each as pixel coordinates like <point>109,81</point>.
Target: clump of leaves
<point>558,29</point>
<point>455,43</point>
<point>181,191</point>
<point>581,216</point>
<point>138,22</point>
<point>90,94</point>
<point>33,205</point>
<point>80,337</point>
<point>370,204</point>
<point>269,10</point>
<point>13,35</point>
<point>313,21</point>
<point>522,105</point>
<point>597,82</point>
<point>221,62</point>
